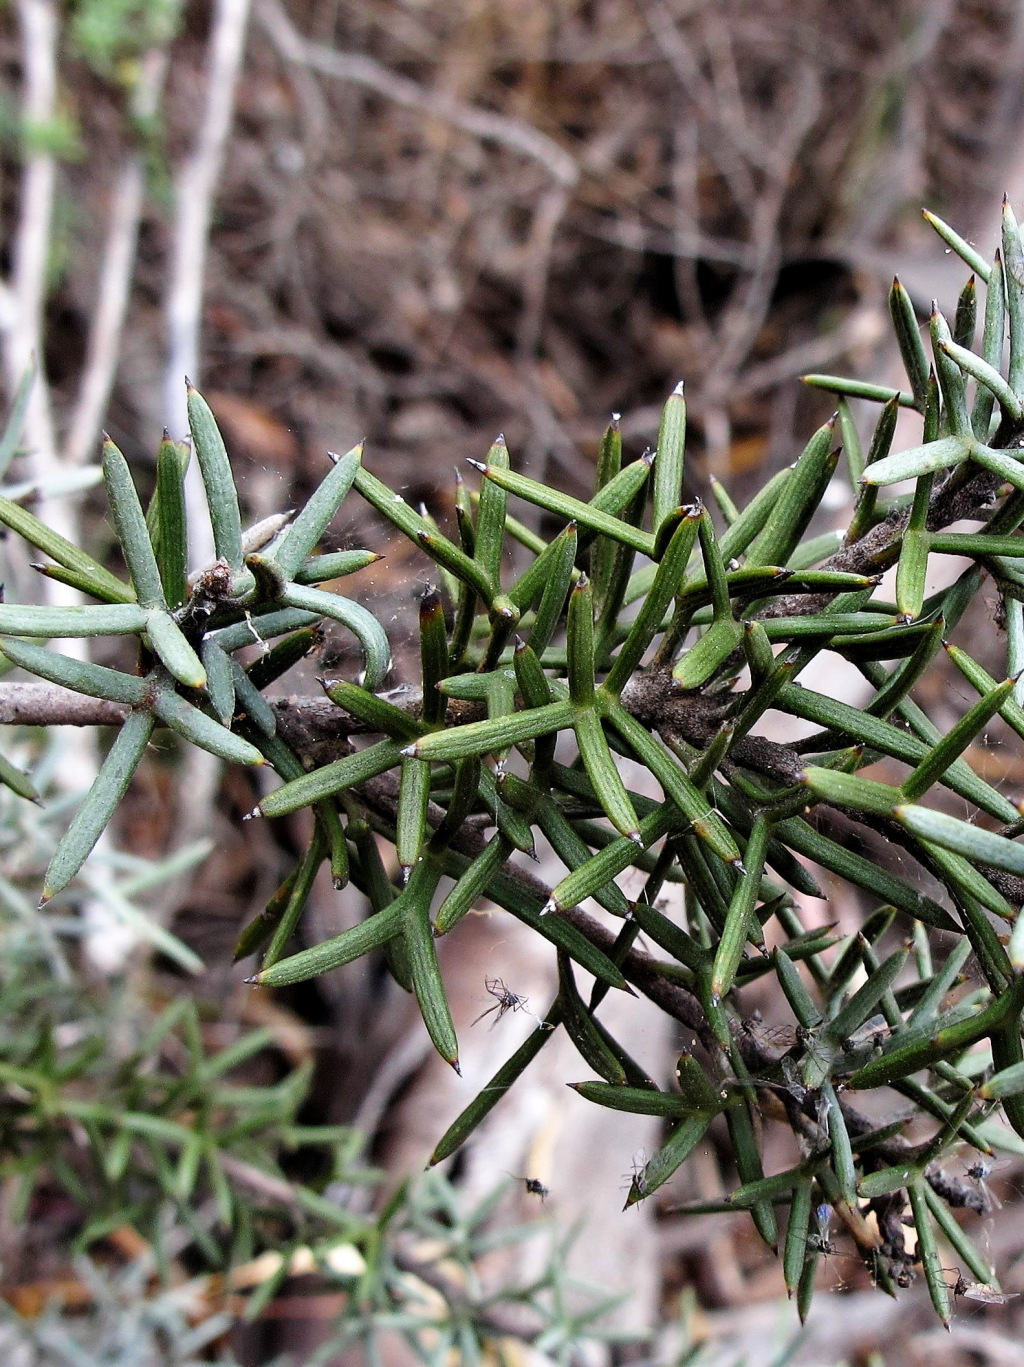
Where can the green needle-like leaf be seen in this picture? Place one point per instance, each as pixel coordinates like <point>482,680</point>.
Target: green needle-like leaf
<point>987,375</point>
<point>908,337</point>
<point>674,1152</point>
<point>974,843</point>
<point>411,819</point>
<point>956,741</point>
<point>600,766</point>
<point>331,778</point>
<point>115,619</point>
<point>739,919</point>
<point>485,1101</point>
<point>202,730</point>
<point>335,565</point>
<point>927,1250</point>
<point>805,489</point>
<point>1013,264</point>
<point>858,389</point>
<point>342,949</point>
<point>692,804</point>
<point>559,574</point>
<point>220,680</point>
<point>96,681</point>
<point>483,737</point>
<point>12,777</point>
<point>172,526</point>
<point>423,965</point>
<point>90,574</point>
<point>174,650</point>
<point>572,509</point>
<point>580,644</point>
<point>668,468</point>
<point>362,624</point>
<point>490,526</point>
<point>218,480</point>
<point>963,249</point>
<point>633,1100</point>
<point>314,519</point>
<point>920,460</point>
<point>667,583</point>
<point>100,803</point>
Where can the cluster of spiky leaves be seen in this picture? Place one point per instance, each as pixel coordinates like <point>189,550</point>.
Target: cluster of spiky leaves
<point>642,629</point>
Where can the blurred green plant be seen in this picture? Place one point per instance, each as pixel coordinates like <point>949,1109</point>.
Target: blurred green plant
<point>647,629</point>
<point>117,1116</point>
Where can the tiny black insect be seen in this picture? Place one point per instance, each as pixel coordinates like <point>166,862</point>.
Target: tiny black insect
<point>533,1185</point>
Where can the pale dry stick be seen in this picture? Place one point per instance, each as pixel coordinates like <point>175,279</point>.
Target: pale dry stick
<point>358,69</point>
<point>195,189</point>
<point>23,333</point>
<point>103,348</point>
<point>547,219</point>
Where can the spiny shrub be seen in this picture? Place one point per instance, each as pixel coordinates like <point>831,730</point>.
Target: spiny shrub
<point>649,628</point>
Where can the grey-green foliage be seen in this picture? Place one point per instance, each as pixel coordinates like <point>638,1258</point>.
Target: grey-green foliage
<point>120,1114</point>
<point>665,638</point>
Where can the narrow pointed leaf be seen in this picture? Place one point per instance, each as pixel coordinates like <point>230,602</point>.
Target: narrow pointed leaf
<point>572,509</point>
<point>175,653</point>
<point>309,526</point>
<point>1013,279</point>
<point>858,389</point>
<point>601,768</point>
<point>88,570</point>
<point>633,1100</point>
<point>672,1154</point>
<point>96,681</point>
<point>202,730</point>
<point>920,460</point>
<point>963,249</point>
<point>114,619</point>
<point>580,644</point>
<point>908,337</point>
<point>668,580</point>
<point>974,843</point>
<point>220,680</point>
<point>790,516</point>
<point>485,1101</point>
<point>363,625</point>
<point>172,527</point>
<point>332,778</point>
<point>423,966</point>
<point>559,575</point>
<point>987,375</point>
<point>298,894</point>
<point>956,741</point>
<point>334,565</point>
<point>490,526</point>
<point>668,468</point>
<point>482,737</point>
<point>100,803</point>
<point>342,949</point>
<point>221,497</point>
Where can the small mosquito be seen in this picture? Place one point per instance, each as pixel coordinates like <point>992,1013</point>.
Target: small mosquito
<point>533,1185</point>
<point>505,1000</point>
<point>635,1177</point>
<point>981,1292</point>
<point>820,1241</point>
<point>979,1172</point>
